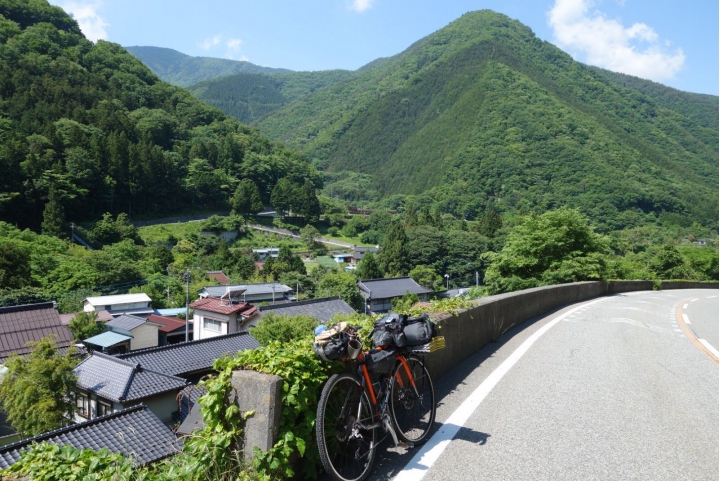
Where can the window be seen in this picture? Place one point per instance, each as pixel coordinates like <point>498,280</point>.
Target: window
<point>82,405</point>
<point>212,325</point>
<point>103,409</point>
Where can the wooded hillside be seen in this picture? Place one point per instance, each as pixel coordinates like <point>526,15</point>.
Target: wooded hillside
<point>86,129</point>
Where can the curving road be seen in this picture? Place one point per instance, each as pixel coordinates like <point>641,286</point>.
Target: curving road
<point>610,389</point>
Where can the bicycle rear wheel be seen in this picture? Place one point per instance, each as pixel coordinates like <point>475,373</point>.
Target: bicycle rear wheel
<point>346,451</point>
<point>412,409</point>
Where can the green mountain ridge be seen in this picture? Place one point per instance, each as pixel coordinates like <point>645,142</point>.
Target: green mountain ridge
<point>182,70</point>
<point>483,111</point>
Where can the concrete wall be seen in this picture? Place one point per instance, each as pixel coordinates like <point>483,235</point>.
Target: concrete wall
<point>472,329</point>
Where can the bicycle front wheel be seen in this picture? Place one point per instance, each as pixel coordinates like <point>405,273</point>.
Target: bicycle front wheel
<point>346,451</point>
<point>412,406</point>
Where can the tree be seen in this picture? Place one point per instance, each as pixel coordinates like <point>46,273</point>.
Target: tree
<point>343,284</point>
<point>246,200</point>
<point>489,223</point>
<point>368,268</point>
<point>555,247</point>
<point>84,325</point>
<point>53,215</point>
<point>38,391</point>
<point>308,234</point>
<point>14,265</point>
<point>284,328</point>
<point>282,196</point>
<point>306,202</point>
<point>394,256</point>
<point>426,276</point>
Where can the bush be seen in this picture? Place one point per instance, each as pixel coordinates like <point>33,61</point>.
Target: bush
<point>284,328</point>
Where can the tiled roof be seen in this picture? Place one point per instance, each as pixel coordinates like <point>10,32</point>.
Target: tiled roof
<point>250,289</point>
<point>220,306</point>
<point>168,324</point>
<point>135,432</point>
<point>321,309</point>
<point>30,322</point>
<point>118,380</point>
<point>118,299</point>
<point>393,287</point>
<point>126,322</point>
<point>193,356</point>
<point>218,276</point>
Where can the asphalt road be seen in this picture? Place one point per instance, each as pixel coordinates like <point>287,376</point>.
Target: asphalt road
<point>610,389</point>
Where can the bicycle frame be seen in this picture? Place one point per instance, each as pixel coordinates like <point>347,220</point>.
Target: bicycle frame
<point>398,379</point>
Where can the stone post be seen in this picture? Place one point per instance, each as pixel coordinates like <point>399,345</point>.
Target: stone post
<point>255,391</point>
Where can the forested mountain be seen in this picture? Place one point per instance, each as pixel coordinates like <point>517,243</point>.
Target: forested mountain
<point>179,69</point>
<point>484,111</point>
<point>249,96</point>
<point>87,128</point>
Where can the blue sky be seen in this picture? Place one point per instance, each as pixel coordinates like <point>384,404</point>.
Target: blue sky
<point>668,41</point>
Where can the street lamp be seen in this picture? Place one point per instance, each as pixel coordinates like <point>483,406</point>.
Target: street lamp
<point>186,278</point>
<point>447,282</point>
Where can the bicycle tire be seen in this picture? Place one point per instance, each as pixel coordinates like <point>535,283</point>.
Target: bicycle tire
<point>413,414</point>
<point>346,455</point>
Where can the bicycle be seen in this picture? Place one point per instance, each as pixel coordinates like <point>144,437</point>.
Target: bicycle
<point>352,408</point>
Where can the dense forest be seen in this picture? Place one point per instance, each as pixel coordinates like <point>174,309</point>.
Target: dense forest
<point>250,97</point>
<point>87,128</point>
<point>182,70</point>
<point>482,110</point>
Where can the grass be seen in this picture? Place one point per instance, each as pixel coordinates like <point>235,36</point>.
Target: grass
<point>160,233</point>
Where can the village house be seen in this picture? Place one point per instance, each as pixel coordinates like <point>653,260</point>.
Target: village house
<point>136,304</point>
<point>251,293</point>
<point>133,432</point>
<point>31,322</point>
<point>214,317</point>
<point>126,333</point>
<point>321,309</point>
<point>379,293</point>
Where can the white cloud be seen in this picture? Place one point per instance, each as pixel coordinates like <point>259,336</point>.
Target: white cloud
<point>209,42</point>
<point>606,43</point>
<point>361,5</point>
<point>85,13</point>
<point>234,44</point>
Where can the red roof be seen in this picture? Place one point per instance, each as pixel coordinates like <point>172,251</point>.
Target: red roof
<point>220,306</point>
<point>168,324</point>
<point>219,276</point>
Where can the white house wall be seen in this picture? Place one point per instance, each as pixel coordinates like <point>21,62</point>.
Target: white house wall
<point>144,336</point>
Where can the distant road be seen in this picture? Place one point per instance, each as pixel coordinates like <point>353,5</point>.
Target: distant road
<point>611,388</point>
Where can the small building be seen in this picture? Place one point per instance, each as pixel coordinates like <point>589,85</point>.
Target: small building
<point>219,276</point>
<point>133,432</point>
<point>379,293</point>
<point>267,252</point>
<point>215,317</point>
<point>31,322</point>
<point>171,330</point>
<point>252,293</point>
<point>321,309</point>
<point>191,360</point>
<point>359,252</point>
<point>106,384</point>
<point>126,333</point>
<point>343,258</point>
<point>137,304</point>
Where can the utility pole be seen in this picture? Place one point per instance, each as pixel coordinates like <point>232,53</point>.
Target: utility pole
<point>186,277</point>
<point>72,232</point>
<point>477,279</point>
<point>447,282</point>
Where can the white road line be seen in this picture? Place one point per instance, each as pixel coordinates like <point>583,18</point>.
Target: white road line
<point>685,306</point>
<point>685,318</point>
<point>421,463</point>
<point>710,297</point>
<point>709,347</point>
<point>693,300</point>
<point>678,330</point>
